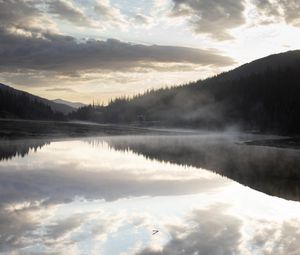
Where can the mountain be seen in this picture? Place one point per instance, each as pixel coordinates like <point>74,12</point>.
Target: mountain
<point>19,104</point>
<point>273,62</point>
<point>75,105</point>
<point>56,107</point>
<point>261,96</point>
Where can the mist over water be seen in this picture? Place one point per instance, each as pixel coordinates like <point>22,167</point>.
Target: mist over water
<point>149,127</point>
<point>204,193</point>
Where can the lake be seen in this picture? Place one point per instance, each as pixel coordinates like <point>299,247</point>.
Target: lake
<point>149,194</point>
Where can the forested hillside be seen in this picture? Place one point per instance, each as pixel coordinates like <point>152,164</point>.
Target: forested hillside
<point>21,105</point>
<point>262,96</point>
<point>264,100</point>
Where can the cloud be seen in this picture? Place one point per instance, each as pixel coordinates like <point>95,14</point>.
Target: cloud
<point>267,7</point>
<point>64,54</point>
<point>109,14</point>
<point>207,231</point>
<point>17,13</point>
<point>64,227</point>
<point>141,19</point>
<point>27,46</point>
<point>36,209</point>
<point>24,18</point>
<point>44,230</point>
<point>57,182</point>
<point>61,90</point>
<point>274,11</point>
<point>18,221</point>
<point>212,17</point>
<point>62,185</point>
<point>28,226</point>
<point>213,231</point>
<point>14,229</point>
<point>277,238</point>
<point>66,10</point>
<point>35,53</point>
<point>291,10</point>
<point>216,18</point>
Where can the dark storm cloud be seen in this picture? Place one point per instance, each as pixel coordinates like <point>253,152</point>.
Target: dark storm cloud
<point>211,17</point>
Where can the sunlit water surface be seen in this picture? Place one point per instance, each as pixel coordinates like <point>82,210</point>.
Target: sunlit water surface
<point>99,196</point>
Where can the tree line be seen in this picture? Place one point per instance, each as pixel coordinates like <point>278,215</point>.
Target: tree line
<point>265,102</point>
<point>268,101</point>
<point>21,105</point>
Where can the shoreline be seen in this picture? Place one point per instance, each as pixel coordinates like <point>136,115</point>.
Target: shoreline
<point>283,143</point>
<point>11,129</point>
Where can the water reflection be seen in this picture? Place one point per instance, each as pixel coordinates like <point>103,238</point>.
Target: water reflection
<point>14,148</point>
<point>273,171</point>
<point>106,195</point>
<point>64,170</point>
<point>194,236</point>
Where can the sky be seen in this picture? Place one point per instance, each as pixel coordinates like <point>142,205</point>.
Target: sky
<point>97,50</point>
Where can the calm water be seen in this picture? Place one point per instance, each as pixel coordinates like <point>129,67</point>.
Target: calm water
<point>110,195</point>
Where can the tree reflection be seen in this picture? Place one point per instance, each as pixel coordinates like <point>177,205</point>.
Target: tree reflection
<point>14,148</point>
<point>270,170</point>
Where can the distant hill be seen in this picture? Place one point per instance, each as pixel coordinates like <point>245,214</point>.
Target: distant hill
<point>56,107</point>
<point>19,104</point>
<point>75,105</point>
<point>262,96</point>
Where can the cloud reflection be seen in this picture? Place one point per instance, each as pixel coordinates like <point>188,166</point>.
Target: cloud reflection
<point>95,198</point>
<point>207,231</point>
<point>81,170</point>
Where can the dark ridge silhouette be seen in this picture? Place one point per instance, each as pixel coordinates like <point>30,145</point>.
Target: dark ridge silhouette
<point>19,104</point>
<point>14,148</point>
<point>24,106</point>
<point>262,96</point>
<point>270,170</point>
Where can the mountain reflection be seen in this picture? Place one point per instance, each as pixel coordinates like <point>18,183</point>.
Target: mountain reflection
<point>270,170</point>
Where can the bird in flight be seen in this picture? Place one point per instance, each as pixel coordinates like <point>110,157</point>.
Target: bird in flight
<point>154,231</point>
